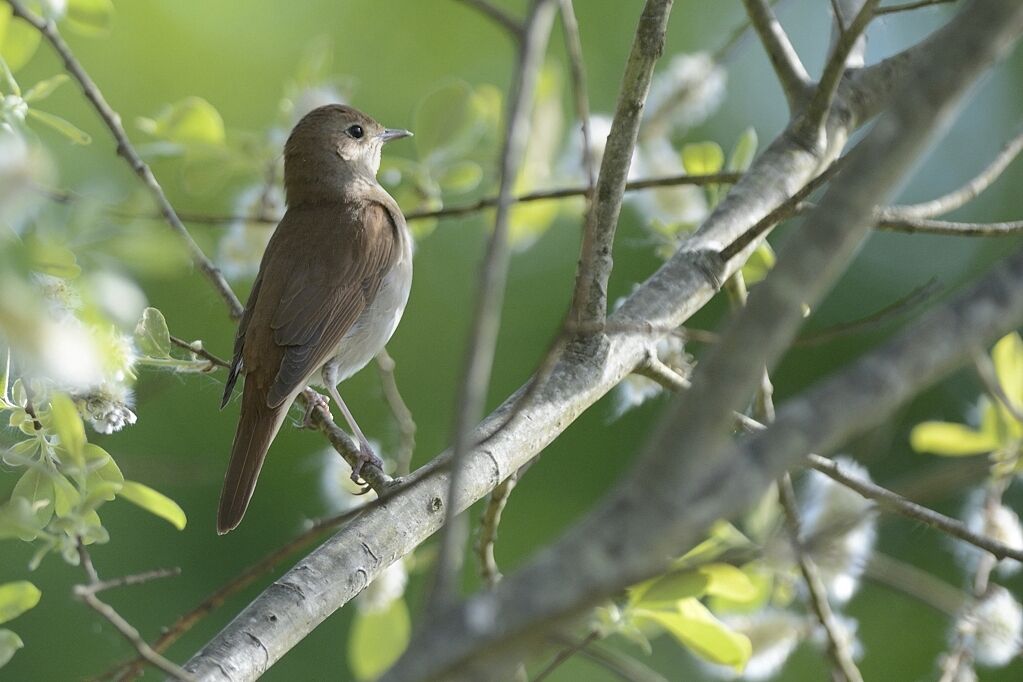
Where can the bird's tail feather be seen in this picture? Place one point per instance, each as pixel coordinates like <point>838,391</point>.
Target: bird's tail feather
<point>257,427</point>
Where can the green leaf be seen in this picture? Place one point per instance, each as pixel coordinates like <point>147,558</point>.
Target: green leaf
<point>377,639</point>
<point>744,151</point>
<point>16,598</point>
<point>722,537</point>
<point>762,579</point>
<point>45,88</point>
<point>151,334</point>
<point>36,487</point>
<point>68,425</point>
<point>52,258</point>
<point>670,588</point>
<point>193,120</point>
<point>4,380</point>
<point>62,126</point>
<point>101,465</point>
<point>90,17</point>
<point>9,645</point>
<point>153,502</point>
<point>725,580</point>
<point>946,438</point>
<point>65,496</point>
<point>18,40</point>
<point>17,520</point>
<point>698,630</point>
<point>22,453</point>
<point>759,264</point>
<point>1007,356</point>
<point>702,158</point>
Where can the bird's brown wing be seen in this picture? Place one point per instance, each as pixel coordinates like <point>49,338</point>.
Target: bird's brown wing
<point>338,276</point>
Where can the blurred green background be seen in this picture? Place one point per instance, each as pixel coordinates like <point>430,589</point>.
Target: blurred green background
<point>239,57</point>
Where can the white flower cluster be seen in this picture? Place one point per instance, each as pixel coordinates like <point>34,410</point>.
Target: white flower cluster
<point>998,633</point>
<point>1001,524</point>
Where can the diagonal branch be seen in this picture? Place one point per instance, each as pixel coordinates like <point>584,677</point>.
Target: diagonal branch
<point>125,149</point>
<point>513,26</point>
<point>795,81</point>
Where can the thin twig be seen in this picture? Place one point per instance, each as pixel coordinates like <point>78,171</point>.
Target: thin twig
<point>400,411</point>
<point>566,654</point>
<point>489,523</point>
<point>989,376</point>
<point>197,348</point>
<point>950,228</point>
<point>622,665</point>
<point>492,279</point>
<point>964,194</point>
<point>906,6</point>
<point>246,577</point>
<point>135,579</point>
<point>838,642</point>
<point>589,300</point>
<point>574,48</point>
<point>87,594</point>
<point>823,95</point>
<point>49,31</point>
<point>500,17</point>
<point>899,504</point>
<point>30,408</point>
<point>790,71</point>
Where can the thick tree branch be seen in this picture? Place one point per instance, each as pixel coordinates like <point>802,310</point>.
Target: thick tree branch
<point>125,149</point>
<point>668,501</point>
<point>795,81</point>
<point>589,302</point>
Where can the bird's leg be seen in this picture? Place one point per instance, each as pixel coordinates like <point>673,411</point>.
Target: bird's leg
<point>314,401</point>
<point>366,454</point>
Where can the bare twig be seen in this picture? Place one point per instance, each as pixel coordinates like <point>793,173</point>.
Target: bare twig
<point>950,228</point>
<point>400,411</point>
<point>125,149</point>
<point>566,654</point>
<point>838,640</point>
<point>87,594</point>
<point>589,301</point>
<point>963,195</point>
<point>899,504</point>
<point>986,371</point>
<point>791,73</point>
<point>500,17</point>
<point>489,523</point>
<point>197,348</point>
<point>492,278</point>
<point>823,95</point>
<point>621,665</point>
<point>907,6</point>
<point>574,48</point>
<point>134,579</point>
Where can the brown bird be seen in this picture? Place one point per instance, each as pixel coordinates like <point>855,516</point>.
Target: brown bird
<point>330,291</point>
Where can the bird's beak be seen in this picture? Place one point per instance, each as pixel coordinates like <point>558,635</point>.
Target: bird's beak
<point>394,134</point>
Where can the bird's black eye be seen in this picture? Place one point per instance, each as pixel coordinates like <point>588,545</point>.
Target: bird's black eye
<point>355,131</point>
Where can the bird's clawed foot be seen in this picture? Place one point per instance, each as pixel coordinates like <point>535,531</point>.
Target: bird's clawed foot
<point>365,456</point>
<point>314,401</point>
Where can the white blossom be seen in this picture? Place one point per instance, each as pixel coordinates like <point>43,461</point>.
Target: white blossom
<point>668,205</point>
<point>1002,525</point>
<point>684,93</point>
<point>839,529</point>
<point>774,634</point>
<point>999,628</point>
<point>22,167</point>
<point>108,408</point>
<point>120,298</point>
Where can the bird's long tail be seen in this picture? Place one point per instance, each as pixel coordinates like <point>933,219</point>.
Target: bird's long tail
<point>257,427</point>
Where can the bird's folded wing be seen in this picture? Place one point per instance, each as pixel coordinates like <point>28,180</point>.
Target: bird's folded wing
<point>341,261</point>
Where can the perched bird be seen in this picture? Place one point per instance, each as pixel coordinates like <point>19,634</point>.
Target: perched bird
<point>331,288</point>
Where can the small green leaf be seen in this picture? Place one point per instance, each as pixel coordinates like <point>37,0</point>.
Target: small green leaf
<point>759,264</point>
<point>9,645</point>
<point>702,158</point>
<point>90,17</point>
<point>22,453</point>
<point>5,379</point>
<point>1007,356</point>
<point>723,536</point>
<point>377,639</point>
<point>744,151</point>
<point>155,503</point>
<point>725,580</point>
<point>17,520</point>
<point>68,425</point>
<point>53,258</point>
<point>45,88</point>
<point>18,40</point>
<point>101,466</point>
<point>16,598</point>
<point>946,438</point>
<point>697,629</point>
<point>65,496</point>
<point>151,334</point>
<point>64,127</point>
<point>670,588</point>
<point>36,487</point>
<point>193,120</point>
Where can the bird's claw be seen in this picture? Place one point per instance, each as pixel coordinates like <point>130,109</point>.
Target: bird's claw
<point>365,456</point>
<point>314,401</point>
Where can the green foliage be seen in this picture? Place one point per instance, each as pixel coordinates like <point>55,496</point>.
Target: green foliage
<point>744,151</point>
<point>152,337</point>
<point>15,599</point>
<point>9,645</point>
<point>696,628</point>
<point>154,502</point>
<point>18,40</point>
<point>759,264</point>
<point>191,121</point>
<point>90,17</point>
<point>1000,432</point>
<point>377,639</point>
